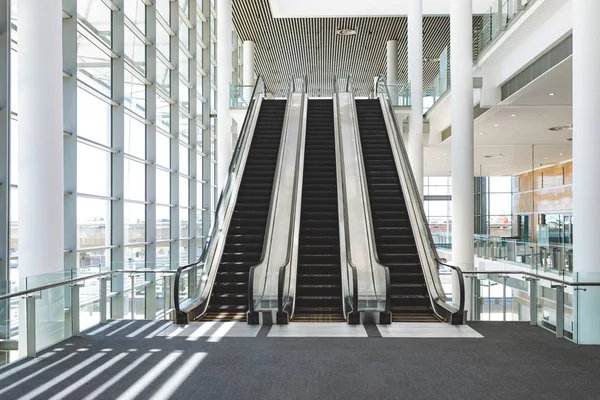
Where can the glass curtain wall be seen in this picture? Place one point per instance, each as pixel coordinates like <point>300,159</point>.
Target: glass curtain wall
<point>140,145</point>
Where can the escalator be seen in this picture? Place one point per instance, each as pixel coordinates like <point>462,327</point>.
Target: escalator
<point>395,242</point>
<point>245,237</point>
<point>318,285</point>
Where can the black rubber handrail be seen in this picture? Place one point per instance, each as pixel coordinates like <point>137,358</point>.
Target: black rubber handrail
<point>232,168</point>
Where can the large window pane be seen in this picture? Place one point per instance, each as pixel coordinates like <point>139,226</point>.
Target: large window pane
<point>97,16</point>
<point>93,220</point>
<point>135,50</point>
<point>163,222</point>
<point>184,159</point>
<point>163,40</point>
<point>184,191</point>
<point>93,170</point>
<point>184,224</point>
<point>184,65</point>
<point>135,10</point>
<point>135,94</point>
<point>163,77</point>
<point>163,187</point>
<point>14,152</point>
<point>93,65</point>
<point>163,114</point>
<point>135,137</point>
<point>135,180</point>
<point>163,150</point>
<point>135,225</point>
<point>93,117</point>
<point>164,8</point>
<point>184,96</point>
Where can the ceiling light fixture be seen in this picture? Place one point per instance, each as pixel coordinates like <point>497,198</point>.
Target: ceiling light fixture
<point>561,128</point>
<point>513,115</point>
<point>482,133</point>
<point>345,31</point>
<point>551,94</point>
<point>496,125</point>
<point>560,154</point>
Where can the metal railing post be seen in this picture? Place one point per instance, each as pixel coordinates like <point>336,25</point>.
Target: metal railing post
<point>132,277</point>
<point>75,310</point>
<point>560,310</point>
<point>533,294</point>
<point>504,277</point>
<point>165,283</point>
<point>102,306</point>
<point>532,257</point>
<point>30,324</point>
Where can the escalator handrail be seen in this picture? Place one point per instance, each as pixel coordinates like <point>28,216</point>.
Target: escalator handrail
<point>410,178</point>
<point>241,142</point>
<point>282,302</point>
<point>373,253</point>
<point>353,292</point>
<point>267,246</point>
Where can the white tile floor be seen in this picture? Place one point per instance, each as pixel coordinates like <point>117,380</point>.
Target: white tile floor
<point>427,330</point>
<point>317,329</point>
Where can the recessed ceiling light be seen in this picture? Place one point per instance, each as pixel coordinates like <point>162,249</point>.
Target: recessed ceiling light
<point>438,158</point>
<point>513,115</point>
<point>560,154</point>
<point>551,94</point>
<point>496,125</point>
<point>546,158</point>
<point>506,169</point>
<point>482,133</point>
<point>445,154</point>
<point>345,32</point>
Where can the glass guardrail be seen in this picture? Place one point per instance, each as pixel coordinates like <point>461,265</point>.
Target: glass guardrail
<point>547,257</point>
<point>54,306</point>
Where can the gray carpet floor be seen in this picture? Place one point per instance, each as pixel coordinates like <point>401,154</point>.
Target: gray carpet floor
<point>513,361</point>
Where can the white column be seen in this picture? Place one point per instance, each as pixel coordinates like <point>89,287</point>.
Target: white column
<point>415,76</point>
<point>586,98</point>
<point>248,69</point>
<point>41,182</point>
<point>224,60</point>
<point>392,70</point>
<point>41,191</point>
<point>461,66</point>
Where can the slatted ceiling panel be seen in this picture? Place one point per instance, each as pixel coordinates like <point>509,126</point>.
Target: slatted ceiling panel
<point>288,47</point>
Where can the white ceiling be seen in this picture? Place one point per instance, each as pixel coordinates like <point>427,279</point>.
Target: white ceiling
<point>362,8</point>
<point>519,130</point>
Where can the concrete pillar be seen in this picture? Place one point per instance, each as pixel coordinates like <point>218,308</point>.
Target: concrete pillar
<point>586,98</point>
<point>415,76</point>
<point>392,70</point>
<point>248,70</point>
<point>41,191</point>
<point>463,203</point>
<point>224,60</point>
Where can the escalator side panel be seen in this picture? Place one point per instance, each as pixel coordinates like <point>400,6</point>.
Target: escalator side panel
<point>395,242</point>
<point>245,237</point>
